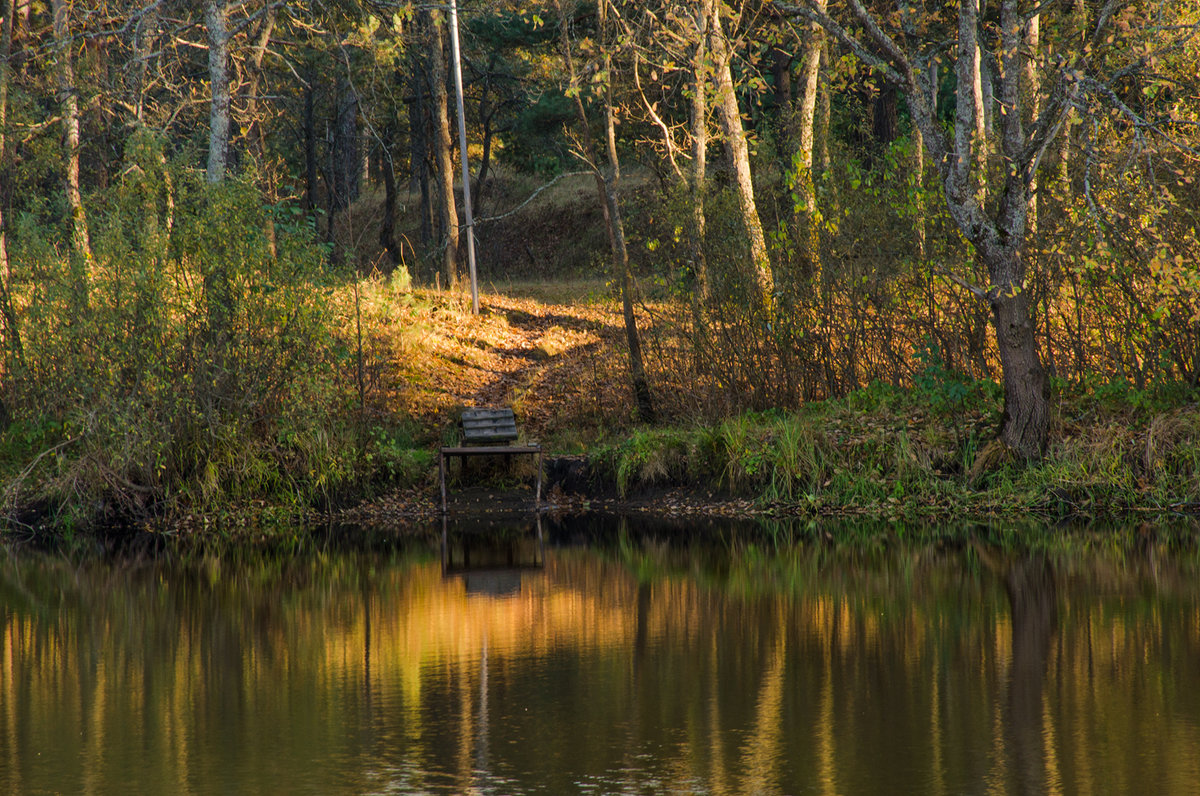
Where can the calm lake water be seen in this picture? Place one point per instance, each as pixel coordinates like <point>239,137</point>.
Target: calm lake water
<point>607,659</point>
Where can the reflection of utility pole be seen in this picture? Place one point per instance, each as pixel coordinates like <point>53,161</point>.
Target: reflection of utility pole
<point>484,727</point>
<point>367,642</point>
<point>462,152</point>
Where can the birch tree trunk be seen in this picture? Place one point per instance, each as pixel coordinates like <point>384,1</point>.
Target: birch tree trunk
<point>68,98</point>
<point>824,113</point>
<point>142,33</point>
<point>7,10</point>
<point>698,110</point>
<point>443,160</point>
<point>803,185</point>
<point>218,294</point>
<point>739,155</point>
<point>921,227</point>
<point>999,240</point>
<point>12,333</point>
<point>216,19</point>
<point>999,237</point>
<point>1031,98</point>
<point>978,108</point>
<point>1026,386</point>
<point>1001,246</point>
<point>256,136</point>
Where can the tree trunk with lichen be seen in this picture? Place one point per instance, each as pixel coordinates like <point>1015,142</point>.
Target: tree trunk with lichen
<point>698,112</point>
<point>216,19</point>
<point>12,333</point>
<point>999,240</point>
<point>730,116</point>
<point>443,160</point>
<point>68,99</point>
<point>805,220</point>
<point>218,292</point>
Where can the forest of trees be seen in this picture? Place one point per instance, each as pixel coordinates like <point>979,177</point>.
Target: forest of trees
<point>848,192</point>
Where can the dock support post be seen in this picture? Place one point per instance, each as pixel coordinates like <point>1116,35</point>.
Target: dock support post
<point>537,503</point>
<point>442,479</point>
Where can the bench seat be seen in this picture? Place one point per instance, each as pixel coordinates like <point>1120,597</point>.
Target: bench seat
<point>484,433</point>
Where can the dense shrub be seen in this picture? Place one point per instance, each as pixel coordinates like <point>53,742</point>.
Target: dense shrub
<point>188,363</point>
<point>1113,291</point>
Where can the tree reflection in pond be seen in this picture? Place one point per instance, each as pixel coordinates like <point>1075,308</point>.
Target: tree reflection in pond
<point>1033,610</point>
<point>754,663</point>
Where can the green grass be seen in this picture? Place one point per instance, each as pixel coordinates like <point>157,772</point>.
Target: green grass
<point>898,454</point>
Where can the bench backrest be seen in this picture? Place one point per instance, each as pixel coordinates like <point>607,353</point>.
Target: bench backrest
<point>482,426</point>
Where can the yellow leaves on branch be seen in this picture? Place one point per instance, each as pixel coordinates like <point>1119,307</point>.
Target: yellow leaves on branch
<point>1176,280</point>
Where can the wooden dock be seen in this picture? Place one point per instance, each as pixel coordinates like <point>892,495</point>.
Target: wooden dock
<point>489,432</point>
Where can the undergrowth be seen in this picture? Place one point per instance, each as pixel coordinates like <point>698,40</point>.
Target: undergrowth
<point>907,453</point>
<point>195,361</point>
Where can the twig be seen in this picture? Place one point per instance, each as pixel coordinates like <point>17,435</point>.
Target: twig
<point>531,197</point>
<point>979,292</point>
<point>9,492</point>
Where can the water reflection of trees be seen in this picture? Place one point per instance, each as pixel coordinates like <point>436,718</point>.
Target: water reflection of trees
<point>1030,587</point>
<point>921,668</point>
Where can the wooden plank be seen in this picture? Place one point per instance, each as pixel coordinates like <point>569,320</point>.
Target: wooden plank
<point>489,425</point>
<point>475,425</point>
<point>489,421</point>
<point>490,435</point>
<point>484,414</point>
<point>468,450</point>
<point>486,427</point>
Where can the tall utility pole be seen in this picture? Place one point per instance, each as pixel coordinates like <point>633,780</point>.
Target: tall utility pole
<point>462,151</point>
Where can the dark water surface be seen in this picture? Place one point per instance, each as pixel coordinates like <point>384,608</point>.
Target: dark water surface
<point>605,660</point>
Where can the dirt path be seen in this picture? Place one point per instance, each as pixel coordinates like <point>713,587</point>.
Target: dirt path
<point>560,366</point>
<point>556,365</point>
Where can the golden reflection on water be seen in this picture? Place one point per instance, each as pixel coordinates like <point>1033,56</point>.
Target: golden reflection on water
<point>353,675</point>
<point>826,766</point>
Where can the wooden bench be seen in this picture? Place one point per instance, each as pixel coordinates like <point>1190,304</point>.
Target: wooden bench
<point>487,432</point>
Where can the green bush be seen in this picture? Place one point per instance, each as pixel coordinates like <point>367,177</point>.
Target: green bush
<point>189,364</point>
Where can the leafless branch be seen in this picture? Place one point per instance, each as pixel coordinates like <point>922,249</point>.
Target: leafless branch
<point>668,139</point>
<point>532,196</point>
<point>975,290</point>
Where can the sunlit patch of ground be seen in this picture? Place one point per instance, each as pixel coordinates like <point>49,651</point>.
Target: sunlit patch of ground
<point>559,363</point>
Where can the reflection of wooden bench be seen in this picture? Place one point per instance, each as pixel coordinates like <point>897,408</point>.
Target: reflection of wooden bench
<point>485,432</point>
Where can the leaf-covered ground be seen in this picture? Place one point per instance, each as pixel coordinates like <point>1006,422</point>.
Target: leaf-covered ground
<point>554,354</point>
<point>557,365</point>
